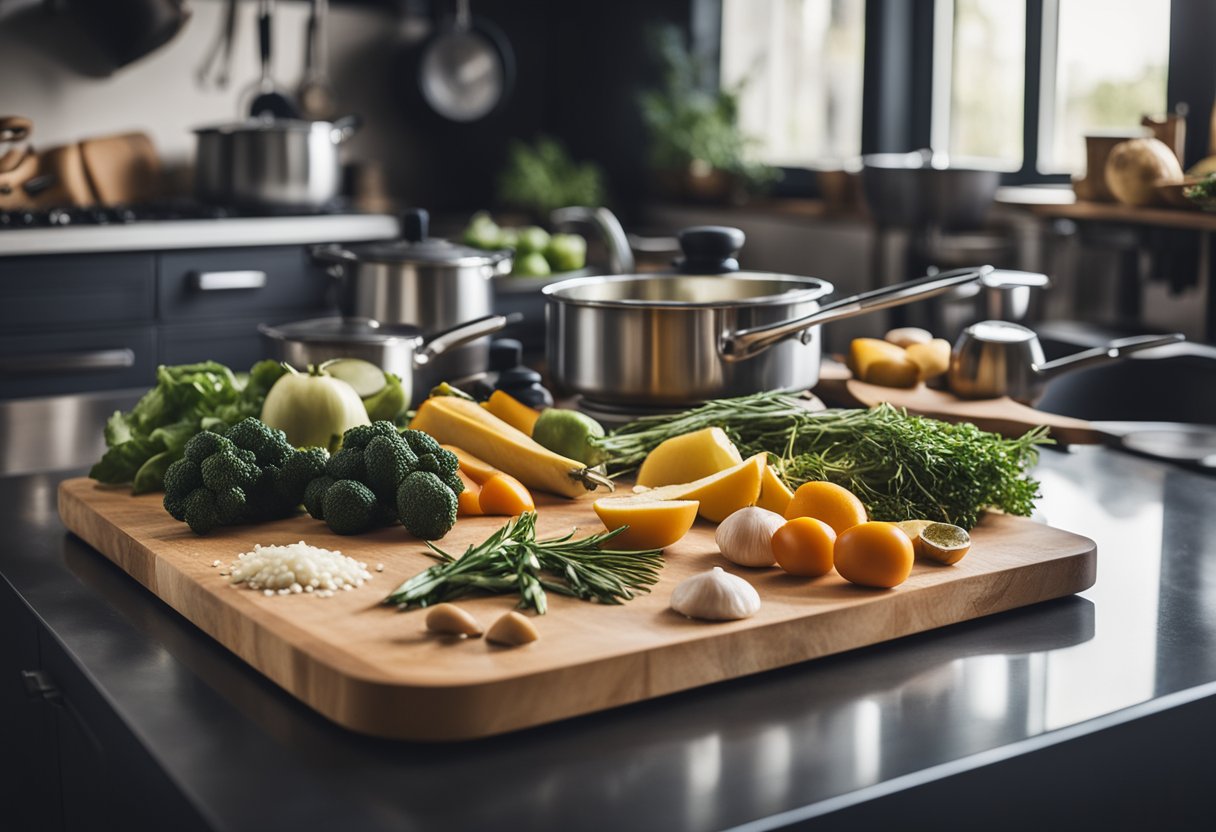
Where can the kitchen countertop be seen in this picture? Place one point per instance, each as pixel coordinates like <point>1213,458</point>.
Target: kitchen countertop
<point>163,235</point>
<point>1094,708</point>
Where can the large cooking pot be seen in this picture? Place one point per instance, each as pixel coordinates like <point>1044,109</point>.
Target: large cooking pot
<point>421,281</point>
<point>659,340</point>
<point>267,162</point>
<point>913,190</point>
<point>400,349</point>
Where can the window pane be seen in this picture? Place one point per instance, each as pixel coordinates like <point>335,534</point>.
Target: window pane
<point>1110,70</point>
<point>985,67</point>
<point>800,63</point>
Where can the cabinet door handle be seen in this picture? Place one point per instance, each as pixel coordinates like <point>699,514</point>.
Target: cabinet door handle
<point>225,281</point>
<point>67,362</point>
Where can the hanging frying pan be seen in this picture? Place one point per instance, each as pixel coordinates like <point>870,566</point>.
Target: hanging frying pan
<point>467,68</point>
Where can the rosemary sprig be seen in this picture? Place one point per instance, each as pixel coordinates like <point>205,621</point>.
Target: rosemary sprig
<point>513,560</point>
<point>902,467</point>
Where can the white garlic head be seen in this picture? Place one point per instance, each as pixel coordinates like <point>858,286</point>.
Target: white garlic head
<point>746,537</point>
<point>715,595</point>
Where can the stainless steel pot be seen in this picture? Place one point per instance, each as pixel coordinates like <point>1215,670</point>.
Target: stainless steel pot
<point>674,340</point>
<point>998,358</point>
<point>400,349</point>
<point>288,163</point>
<point>419,281</point>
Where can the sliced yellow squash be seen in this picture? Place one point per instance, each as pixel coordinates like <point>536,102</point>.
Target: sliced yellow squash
<point>653,524</point>
<point>470,426</point>
<point>688,458</point>
<point>775,495</point>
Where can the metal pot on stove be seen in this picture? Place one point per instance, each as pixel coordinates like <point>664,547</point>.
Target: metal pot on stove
<point>708,331</point>
<point>420,281</point>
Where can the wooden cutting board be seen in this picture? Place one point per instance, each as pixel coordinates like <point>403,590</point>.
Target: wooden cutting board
<point>377,671</point>
<point>1001,415</point>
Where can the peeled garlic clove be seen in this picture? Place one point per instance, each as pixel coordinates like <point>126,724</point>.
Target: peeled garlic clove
<point>452,620</point>
<point>746,537</point>
<point>512,630</point>
<point>716,596</point>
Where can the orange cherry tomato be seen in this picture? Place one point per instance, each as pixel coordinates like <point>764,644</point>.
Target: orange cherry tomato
<point>804,546</point>
<point>504,495</point>
<point>833,504</point>
<point>874,554</point>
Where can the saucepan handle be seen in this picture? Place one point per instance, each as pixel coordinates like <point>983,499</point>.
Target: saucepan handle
<point>1110,352</point>
<point>438,344</point>
<point>746,343</point>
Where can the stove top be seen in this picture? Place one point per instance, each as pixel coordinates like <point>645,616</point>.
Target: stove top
<point>169,211</point>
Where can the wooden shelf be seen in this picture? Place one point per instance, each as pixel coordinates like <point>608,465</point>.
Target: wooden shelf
<point>1115,212</point>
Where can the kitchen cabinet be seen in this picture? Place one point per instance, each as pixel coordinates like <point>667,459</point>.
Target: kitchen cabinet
<point>92,322</point>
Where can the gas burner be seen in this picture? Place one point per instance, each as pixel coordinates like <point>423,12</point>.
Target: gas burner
<point>614,415</point>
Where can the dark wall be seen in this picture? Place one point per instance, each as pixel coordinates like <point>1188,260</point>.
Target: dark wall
<point>579,69</point>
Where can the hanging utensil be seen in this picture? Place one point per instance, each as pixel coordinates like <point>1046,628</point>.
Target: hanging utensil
<point>220,52</point>
<point>268,100</point>
<point>316,94</point>
<point>467,69</point>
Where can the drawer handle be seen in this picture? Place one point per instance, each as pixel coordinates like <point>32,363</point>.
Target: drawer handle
<point>67,362</point>
<point>225,281</point>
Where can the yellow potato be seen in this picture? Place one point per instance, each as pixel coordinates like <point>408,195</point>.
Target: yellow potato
<point>932,359</point>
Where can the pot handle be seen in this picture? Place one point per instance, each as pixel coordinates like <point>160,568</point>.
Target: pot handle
<point>333,254</point>
<point>440,343</point>
<point>343,128</point>
<point>1111,352</point>
<point>746,343</point>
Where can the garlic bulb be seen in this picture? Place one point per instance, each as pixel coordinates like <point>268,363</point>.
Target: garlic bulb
<point>715,595</point>
<point>746,537</point>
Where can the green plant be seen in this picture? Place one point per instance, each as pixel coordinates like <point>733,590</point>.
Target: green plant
<point>692,124</point>
<point>543,176</point>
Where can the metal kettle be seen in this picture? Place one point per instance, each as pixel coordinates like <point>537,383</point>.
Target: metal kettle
<point>997,358</point>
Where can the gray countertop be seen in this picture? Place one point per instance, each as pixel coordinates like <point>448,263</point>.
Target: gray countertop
<point>231,232</point>
<point>785,747</point>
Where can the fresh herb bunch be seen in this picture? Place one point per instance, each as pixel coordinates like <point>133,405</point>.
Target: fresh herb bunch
<point>902,467</point>
<point>512,560</point>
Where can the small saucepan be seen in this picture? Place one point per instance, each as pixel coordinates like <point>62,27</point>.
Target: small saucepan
<point>399,349</point>
<point>653,340</point>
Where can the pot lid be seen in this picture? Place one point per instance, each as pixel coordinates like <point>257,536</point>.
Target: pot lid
<point>429,252</point>
<point>342,331</point>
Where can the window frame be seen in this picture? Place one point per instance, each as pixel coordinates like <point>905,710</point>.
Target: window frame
<point>898,81</point>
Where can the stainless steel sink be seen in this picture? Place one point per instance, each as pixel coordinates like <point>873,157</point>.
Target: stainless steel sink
<point>57,432</point>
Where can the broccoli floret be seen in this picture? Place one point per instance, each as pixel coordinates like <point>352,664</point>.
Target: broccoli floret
<point>181,478</point>
<point>440,462</point>
<point>200,511</point>
<point>266,500</point>
<point>347,464</point>
<point>387,462</point>
<point>230,505</point>
<point>176,506</point>
<point>226,470</point>
<point>349,507</point>
<point>360,436</point>
<point>246,456</point>
<point>454,482</point>
<point>426,506</point>
<point>314,496</point>
<point>420,443</point>
<point>203,445</point>
<point>300,469</point>
<point>384,515</point>
<point>268,444</point>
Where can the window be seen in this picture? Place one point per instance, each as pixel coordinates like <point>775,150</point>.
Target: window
<point>1103,65</point>
<point>980,67</point>
<point>799,65</point>
<point>1109,60</point>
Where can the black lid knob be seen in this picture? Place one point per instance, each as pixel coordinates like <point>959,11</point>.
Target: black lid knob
<point>709,249</point>
<point>505,353</point>
<point>415,224</point>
